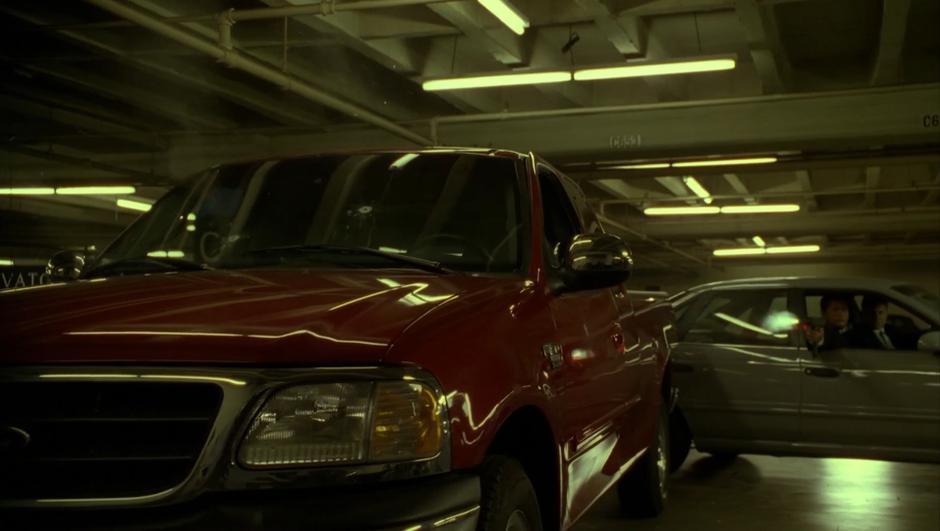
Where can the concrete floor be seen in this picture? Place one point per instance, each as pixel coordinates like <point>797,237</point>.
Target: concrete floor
<point>788,494</point>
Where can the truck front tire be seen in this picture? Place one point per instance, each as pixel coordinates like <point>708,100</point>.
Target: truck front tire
<point>680,439</point>
<point>644,488</point>
<point>509,501</point>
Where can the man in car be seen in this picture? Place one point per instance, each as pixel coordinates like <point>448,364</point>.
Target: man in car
<point>835,333</point>
<point>873,333</point>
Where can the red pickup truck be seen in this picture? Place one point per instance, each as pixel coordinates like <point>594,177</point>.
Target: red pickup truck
<point>437,339</point>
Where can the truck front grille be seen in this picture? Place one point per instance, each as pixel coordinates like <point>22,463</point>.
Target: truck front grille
<point>101,439</point>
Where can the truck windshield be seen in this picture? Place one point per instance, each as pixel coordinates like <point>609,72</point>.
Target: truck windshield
<point>431,211</point>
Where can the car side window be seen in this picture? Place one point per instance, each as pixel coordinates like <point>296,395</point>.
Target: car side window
<point>897,329</point>
<point>748,317</point>
<point>686,309</point>
<point>560,222</point>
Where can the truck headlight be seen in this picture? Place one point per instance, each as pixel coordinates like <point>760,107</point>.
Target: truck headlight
<point>345,423</point>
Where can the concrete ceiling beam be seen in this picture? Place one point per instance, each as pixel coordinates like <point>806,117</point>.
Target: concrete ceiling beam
<point>767,49</point>
<point>888,63</point>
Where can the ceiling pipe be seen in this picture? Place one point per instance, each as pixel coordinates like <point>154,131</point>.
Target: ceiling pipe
<point>82,162</point>
<point>327,7</point>
<point>646,200</point>
<point>231,57</point>
<point>662,244</point>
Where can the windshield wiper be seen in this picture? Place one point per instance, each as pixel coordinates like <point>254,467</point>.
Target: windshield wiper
<point>144,264</point>
<point>418,263</point>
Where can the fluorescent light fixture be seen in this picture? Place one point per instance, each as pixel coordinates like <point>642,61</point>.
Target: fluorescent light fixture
<point>750,251</point>
<point>496,80</point>
<point>647,166</point>
<point>759,241</point>
<point>403,161</point>
<point>75,376</point>
<point>133,205</point>
<point>95,190</point>
<point>6,262</point>
<point>760,209</point>
<point>787,249</point>
<point>681,211</point>
<point>743,251</point>
<point>166,254</point>
<point>698,189</point>
<point>27,191</point>
<point>724,162</point>
<point>507,14</point>
<point>655,69</point>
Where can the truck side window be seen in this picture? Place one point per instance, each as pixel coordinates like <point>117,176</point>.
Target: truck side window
<point>576,195</point>
<point>560,221</point>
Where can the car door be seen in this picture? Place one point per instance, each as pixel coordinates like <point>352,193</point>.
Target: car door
<point>737,369</point>
<point>873,402</point>
<point>589,366</point>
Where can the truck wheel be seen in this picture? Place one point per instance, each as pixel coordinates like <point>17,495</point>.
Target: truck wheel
<point>643,490</point>
<point>509,502</point>
<point>680,440</point>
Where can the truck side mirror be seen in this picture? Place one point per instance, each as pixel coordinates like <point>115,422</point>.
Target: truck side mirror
<point>594,261</point>
<point>65,266</point>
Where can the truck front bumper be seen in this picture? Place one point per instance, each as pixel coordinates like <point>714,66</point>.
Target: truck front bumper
<point>449,502</point>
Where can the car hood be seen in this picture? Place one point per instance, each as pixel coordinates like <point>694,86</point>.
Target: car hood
<point>242,317</point>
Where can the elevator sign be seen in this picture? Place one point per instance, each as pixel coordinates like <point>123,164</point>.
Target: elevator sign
<point>617,142</point>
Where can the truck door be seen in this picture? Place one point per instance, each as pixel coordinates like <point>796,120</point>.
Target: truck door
<point>591,393</point>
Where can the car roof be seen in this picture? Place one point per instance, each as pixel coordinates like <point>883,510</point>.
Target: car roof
<point>836,283</point>
<point>882,285</point>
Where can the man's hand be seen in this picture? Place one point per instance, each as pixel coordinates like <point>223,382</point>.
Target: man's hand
<point>814,334</point>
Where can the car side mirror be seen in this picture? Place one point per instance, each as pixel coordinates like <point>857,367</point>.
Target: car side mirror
<point>594,261</point>
<point>929,341</point>
<point>66,265</point>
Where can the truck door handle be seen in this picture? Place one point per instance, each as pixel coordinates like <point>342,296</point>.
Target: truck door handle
<point>821,372</point>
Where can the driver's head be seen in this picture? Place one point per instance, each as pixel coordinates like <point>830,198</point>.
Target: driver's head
<point>875,312</point>
<point>835,310</point>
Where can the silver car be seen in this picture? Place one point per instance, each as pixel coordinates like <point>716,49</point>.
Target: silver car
<point>750,382</point>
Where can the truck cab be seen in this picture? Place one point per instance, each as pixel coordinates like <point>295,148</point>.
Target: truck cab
<point>429,339</point>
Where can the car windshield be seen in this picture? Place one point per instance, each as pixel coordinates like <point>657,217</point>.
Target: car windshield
<point>433,211</point>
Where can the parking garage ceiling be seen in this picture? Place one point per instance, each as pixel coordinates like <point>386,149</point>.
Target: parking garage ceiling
<point>842,95</point>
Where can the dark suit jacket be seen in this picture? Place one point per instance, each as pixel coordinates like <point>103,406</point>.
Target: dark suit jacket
<point>864,337</point>
<point>834,338</point>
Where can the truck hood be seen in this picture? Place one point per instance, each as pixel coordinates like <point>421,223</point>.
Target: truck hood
<point>236,317</point>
